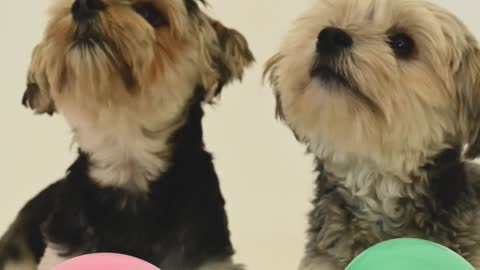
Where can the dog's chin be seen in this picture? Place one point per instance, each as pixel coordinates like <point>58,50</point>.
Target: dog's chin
<point>86,35</point>
<point>328,75</point>
<point>87,43</point>
<point>337,82</point>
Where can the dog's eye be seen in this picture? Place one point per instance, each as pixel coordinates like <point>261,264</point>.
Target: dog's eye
<point>403,45</point>
<point>151,14</point>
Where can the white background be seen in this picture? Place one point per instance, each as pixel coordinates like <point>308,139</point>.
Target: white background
<point>266,177</point>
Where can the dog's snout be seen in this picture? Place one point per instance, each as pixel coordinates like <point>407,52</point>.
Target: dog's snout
<point>333,40</point>
<point>86,9</point>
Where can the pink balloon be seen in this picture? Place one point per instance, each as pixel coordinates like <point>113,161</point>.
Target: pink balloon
<point>105,261</point>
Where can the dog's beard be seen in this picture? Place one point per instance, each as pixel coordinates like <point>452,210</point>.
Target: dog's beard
<point>97,64</point>
<point>87,33</point>
<point>335,77</point>
<point>109,116</point>
<point>328,74</point>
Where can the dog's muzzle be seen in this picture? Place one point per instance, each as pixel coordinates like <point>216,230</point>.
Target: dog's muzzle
<point>331,43</point>
<point>83,10</point>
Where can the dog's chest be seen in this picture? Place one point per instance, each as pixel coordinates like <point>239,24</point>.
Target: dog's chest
<point>154,236</point>
<point>345,232</point>
<point>179,224</point>
<point>140,229</point>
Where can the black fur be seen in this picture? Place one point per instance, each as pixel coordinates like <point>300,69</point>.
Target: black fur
<point>279,114</point>
<point>448,178</point>
<point>180,224</point>
<point>192,6</point>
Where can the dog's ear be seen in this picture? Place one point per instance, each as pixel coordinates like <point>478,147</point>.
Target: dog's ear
<point>37,96</point>
<point>229,61</point>
<point>467,80</point>
<point>270,72</point>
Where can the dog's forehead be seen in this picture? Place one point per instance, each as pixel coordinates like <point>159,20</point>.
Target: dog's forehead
<point>359,12</point>
<point>422,19</point>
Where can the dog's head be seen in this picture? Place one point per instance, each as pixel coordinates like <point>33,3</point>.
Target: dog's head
<point>114,54</point>
<point>389,81</point>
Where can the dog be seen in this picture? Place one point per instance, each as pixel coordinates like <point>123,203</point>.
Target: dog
<point>131,78</point>
<point>386,95</point>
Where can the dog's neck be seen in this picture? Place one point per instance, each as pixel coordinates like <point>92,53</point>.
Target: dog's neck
<point>438,186</point>
<point>447,179</point>
<point>131,156</point>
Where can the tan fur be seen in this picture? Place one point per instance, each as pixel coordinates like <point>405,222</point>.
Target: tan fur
<point>421,95</point>
<point>468,81</point>
<point>125,95</point>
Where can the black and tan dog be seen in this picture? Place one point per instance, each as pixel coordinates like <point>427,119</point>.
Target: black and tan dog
<point>130,77</point>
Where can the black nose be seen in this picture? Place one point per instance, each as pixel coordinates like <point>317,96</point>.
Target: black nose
<point>333,40</point>
<point>86,9</point>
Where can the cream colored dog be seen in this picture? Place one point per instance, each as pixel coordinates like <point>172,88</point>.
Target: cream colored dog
<point>386,95</point>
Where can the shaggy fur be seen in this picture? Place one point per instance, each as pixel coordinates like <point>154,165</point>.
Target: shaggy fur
<point>386,95</point>
<point>130,77</point>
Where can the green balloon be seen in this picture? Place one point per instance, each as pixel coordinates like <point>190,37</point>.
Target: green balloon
<point>409,254</point>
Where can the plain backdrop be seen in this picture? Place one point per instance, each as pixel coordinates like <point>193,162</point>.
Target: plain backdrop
<point>266,177</point>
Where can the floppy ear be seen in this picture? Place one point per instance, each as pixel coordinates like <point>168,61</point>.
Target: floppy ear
<point>468,84</point>
<point>37,96</point>
<point>270,72</point>
<point>230,61</point>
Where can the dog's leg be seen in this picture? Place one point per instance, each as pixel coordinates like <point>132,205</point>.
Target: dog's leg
<point>14,248</point>
<point>22,246</point>
<point>52,258</point>
<point>227,264</point>
<point>319,262</point>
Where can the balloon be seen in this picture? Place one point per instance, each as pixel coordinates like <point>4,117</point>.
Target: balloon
<point>105,261</point>
<point>409,254</point>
